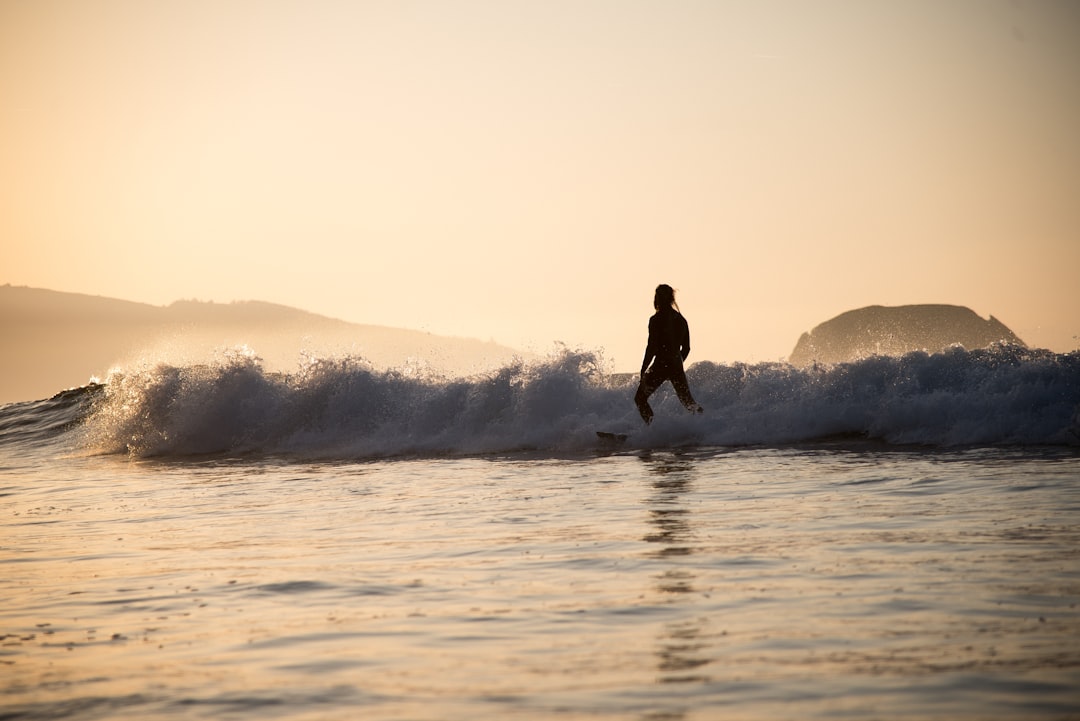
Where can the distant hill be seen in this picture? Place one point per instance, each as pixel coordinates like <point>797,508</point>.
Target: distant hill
<point>54,340</point>
<point>881,330</point>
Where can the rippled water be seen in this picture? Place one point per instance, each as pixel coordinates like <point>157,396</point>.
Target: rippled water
<point>826,582</point>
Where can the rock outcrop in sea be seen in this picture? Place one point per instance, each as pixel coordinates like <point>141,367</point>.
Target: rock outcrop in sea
<point>881,330</point>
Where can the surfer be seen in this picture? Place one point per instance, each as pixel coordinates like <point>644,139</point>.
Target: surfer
<point>668,347</point>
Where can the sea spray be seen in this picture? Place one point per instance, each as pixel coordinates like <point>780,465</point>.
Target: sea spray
<point>1000,395</point>
<point>342,407</point>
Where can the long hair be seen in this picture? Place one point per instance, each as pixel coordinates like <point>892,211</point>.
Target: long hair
<point>664,297</point>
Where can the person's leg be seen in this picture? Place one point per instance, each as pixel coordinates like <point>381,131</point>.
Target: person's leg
<point>649,383</point>
<point>682,390</point>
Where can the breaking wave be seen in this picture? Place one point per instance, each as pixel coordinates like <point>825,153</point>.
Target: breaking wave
<point>343,408</point>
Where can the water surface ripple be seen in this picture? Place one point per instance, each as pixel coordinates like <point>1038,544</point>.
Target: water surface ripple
<point>811,583</point>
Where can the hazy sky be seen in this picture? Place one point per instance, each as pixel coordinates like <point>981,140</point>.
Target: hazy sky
<point>529,171</point>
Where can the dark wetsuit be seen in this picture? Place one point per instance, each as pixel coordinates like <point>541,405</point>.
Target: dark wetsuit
<point>669,345</point>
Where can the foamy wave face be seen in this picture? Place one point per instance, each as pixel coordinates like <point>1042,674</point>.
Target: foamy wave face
<point>343,408</point>
<point>1003,395</point>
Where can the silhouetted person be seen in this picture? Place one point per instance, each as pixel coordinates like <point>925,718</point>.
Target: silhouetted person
<point>668,347</point>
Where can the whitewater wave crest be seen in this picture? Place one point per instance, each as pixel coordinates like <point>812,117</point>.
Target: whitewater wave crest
<point>343,408</point>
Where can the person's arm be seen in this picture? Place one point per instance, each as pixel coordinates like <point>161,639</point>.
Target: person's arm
<point>650,351</point>
<point>685,345</point>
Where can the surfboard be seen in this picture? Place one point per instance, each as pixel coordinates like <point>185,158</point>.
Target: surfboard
<point>611,437</point>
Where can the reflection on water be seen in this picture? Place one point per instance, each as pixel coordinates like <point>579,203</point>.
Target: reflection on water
<point>683,649</point>
<point>671,479</point>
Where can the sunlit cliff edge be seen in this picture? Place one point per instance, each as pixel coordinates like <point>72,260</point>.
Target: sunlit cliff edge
<point>54,340</point>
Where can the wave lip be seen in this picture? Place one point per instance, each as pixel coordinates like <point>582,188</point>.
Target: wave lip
<point>1004,395</point>
<point>34,422</point>
<point>343,408</point>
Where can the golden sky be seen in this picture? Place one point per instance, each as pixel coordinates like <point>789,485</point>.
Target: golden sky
<point>529,171</point>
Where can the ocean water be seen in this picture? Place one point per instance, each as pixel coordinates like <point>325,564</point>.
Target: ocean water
<point>897,538</point>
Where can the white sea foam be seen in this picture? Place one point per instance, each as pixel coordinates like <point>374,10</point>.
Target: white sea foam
<point>341,407</point>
